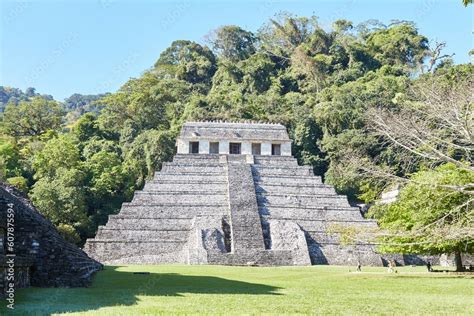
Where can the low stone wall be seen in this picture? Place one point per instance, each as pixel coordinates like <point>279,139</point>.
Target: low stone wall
<point>288,236</point>
<point>253,258</point>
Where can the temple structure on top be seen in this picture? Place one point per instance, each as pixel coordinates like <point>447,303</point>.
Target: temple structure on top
<point>234,138</point>
<point>233,195</point>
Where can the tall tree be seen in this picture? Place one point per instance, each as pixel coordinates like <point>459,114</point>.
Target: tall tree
<point>189,61</point>
<point>60,152</point>
<point>400,44</point>
<point>431,135</point>
<point>232,43</point>
<point>32,118</point>
<point>428,216</point>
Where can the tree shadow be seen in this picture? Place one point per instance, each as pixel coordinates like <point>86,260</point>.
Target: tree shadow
<point>315,252</point>
<point>113,287</point>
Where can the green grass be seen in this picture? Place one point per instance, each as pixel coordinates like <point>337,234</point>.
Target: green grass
<point>175,289</point>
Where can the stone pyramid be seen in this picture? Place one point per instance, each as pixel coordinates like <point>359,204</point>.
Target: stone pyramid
<point>233,195</point>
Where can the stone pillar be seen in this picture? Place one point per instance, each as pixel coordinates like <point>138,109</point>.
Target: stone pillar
<point>224,147</point>
<point>266,149</point>
<point>246,148</point>
<point>286,149</point>
<point>204,147</point>
<point>183,146</point>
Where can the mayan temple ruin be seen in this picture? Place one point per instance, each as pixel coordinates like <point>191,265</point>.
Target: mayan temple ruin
<point>42,257</point>
<point>233,195</point>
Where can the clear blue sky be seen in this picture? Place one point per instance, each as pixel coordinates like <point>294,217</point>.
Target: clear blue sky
<point>94,46</point>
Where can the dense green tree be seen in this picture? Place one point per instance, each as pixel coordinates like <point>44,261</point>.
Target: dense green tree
<point>9,159</point>
<point>135,101</point>
<point>426,142</point>
<point>32,118</point>
<point>398,45</point>
<point>109,181</point>
<point>82,103</point>
<point>186,60</point>
<point>149,150</point>
<point>306,145</point>
<point>341,112</point>
<point>428,217</point>
<point>62,199</point>
<point>282,35</point>
<point>232,43</point>
<point>145,103</point>
<point>86,127</point>
<point>60,152</point>
<point>14,95</point>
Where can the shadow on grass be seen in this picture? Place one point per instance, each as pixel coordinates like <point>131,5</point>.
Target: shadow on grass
<point>112,287</point>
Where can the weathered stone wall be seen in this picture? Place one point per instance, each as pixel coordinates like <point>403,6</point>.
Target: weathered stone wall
<point>287,235</point>
<point>41,254</point>
<point>289,193</point>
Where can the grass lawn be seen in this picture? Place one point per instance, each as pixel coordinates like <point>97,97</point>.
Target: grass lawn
<point>174,289</point>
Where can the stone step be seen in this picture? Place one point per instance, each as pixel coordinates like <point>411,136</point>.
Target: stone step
<point>301,196</point>
<point>199,173</point>
<point>176,211</point>
<point>195,163</point>
<point>194,157</point>
<point>275,161</point>
<point>189,177</point>
<point>287,180</point>
<point>336,254</point>
<point>188,187</point>
<point>274,158</point>
<point>183,198</point>
<point>260,170</point>
<point>141,223</point>
<point>193,169</point>
<point>159,244</point>
<point>276,164</point>
<point>301,200</point>
<point>143,234</point>
<point>294,189</point>
<point>321,237</point>
<point>244,216</point>
<point>253,257</point>
<point>128,251</point>
<point>310,208</point>
<point>323,225</point>
<point>309,214</point>
<point>182,179</point>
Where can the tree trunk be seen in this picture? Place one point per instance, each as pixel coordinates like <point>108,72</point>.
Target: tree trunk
<point>458,261</point>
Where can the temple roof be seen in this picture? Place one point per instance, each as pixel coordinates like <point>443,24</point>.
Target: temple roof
<point>234,130</point>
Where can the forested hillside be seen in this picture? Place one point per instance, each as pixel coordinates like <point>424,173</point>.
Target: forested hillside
<point>329,87</point>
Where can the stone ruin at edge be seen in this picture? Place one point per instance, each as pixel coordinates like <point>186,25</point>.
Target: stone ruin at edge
<point>233,195</point>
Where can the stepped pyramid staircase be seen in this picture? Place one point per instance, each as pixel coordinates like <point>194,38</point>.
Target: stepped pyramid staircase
<point>235,210</point>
